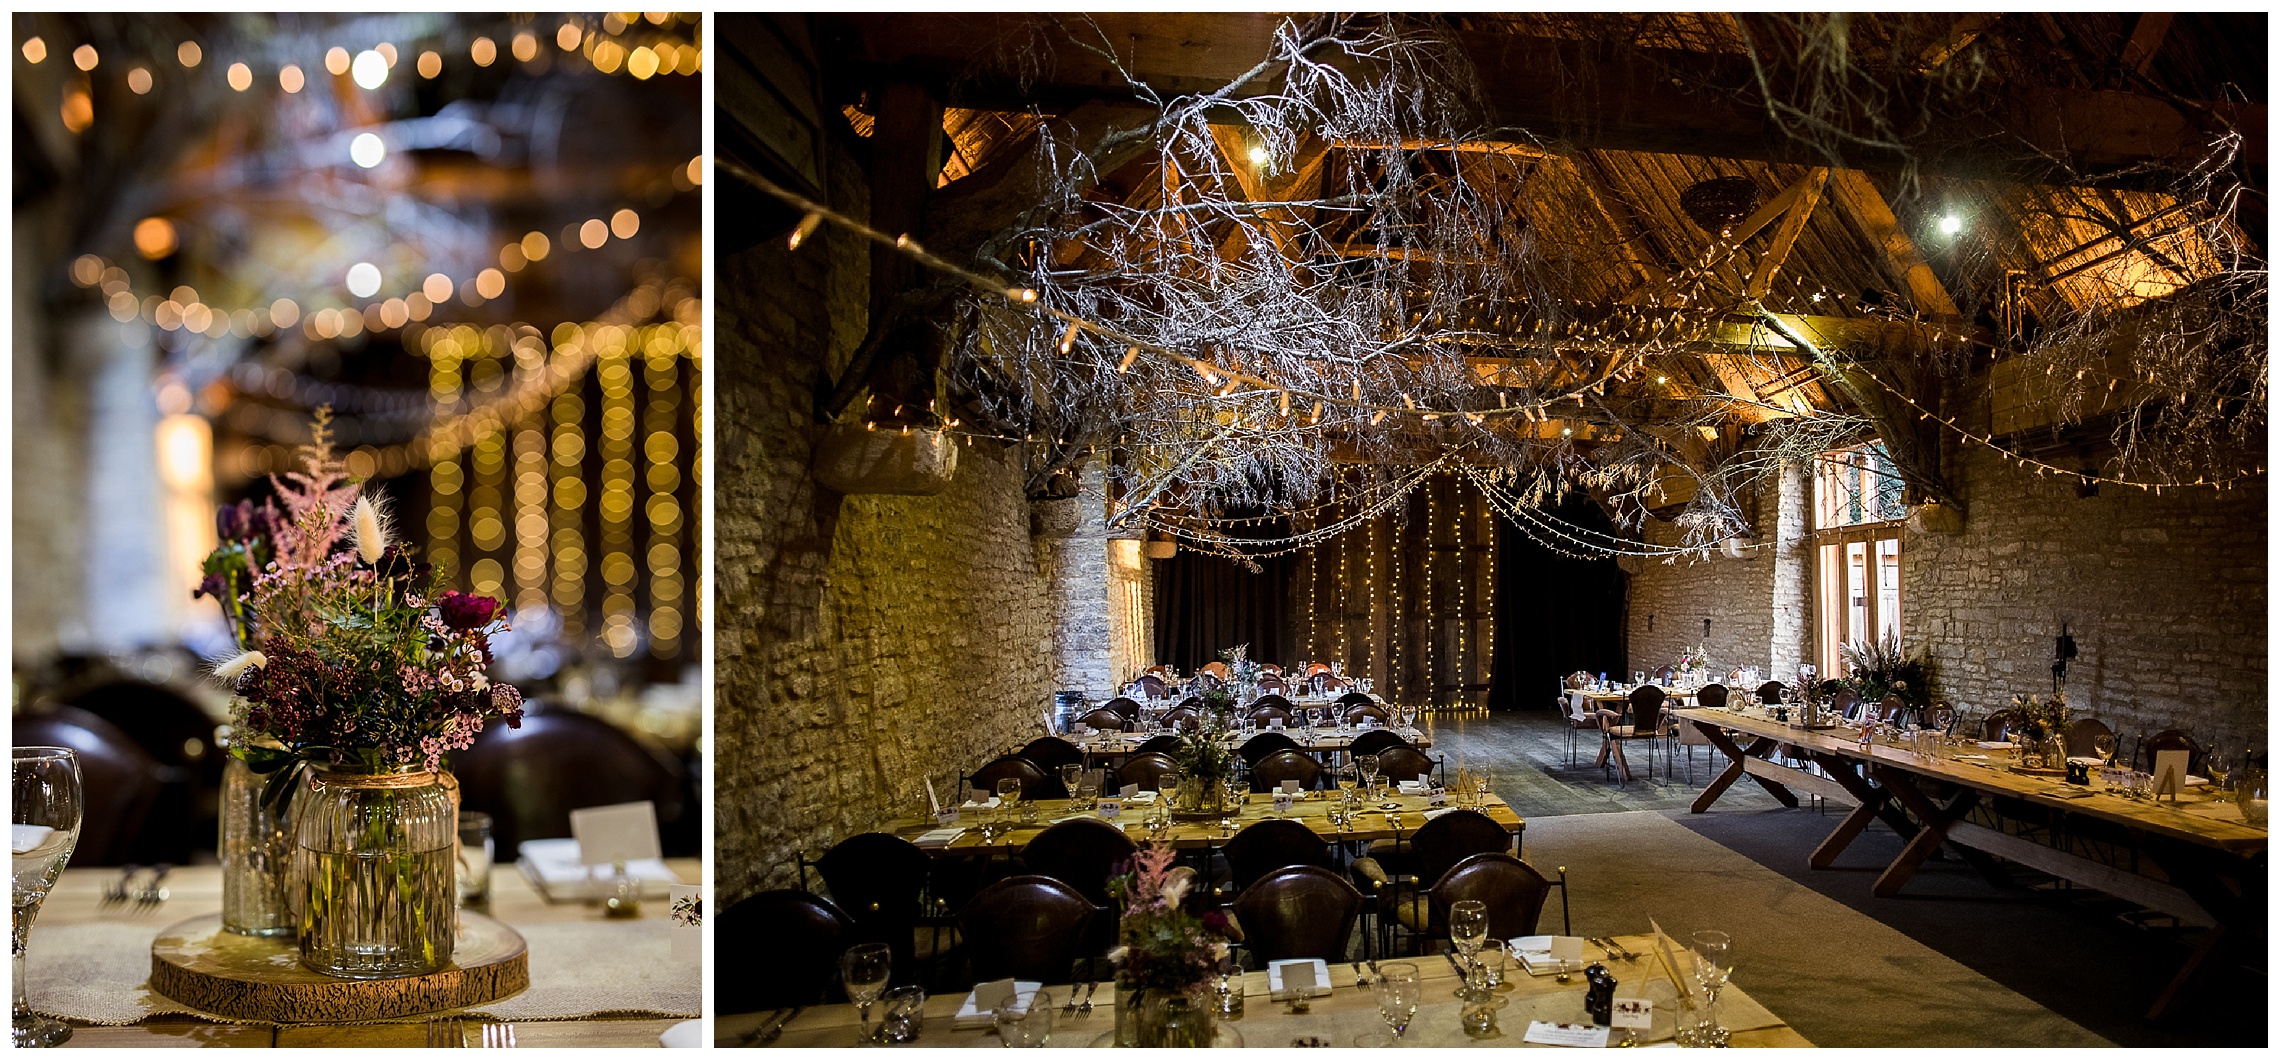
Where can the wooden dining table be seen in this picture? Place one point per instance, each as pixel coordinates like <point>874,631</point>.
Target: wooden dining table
<point>1335,1019</point>
<point>194,890</point>
<point>2212,862</point>
<point>1375,821</point>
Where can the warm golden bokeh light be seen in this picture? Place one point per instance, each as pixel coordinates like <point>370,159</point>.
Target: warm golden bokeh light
<point>241,76</point>
<point>696,171</point>
<point>526,46</point>
<point>138,80</point>
<point>189,54</point>
<point>284,313</point>
<point>290,78</point>
<point>483,51</point>
<point>624,223</point>
<point>593,234</point>
<point>387,51</point>
<point>642,64</point>
<point>491,283</point>
<point>431,64</point>
<point>154,237</point>
<point>336,61</point>
<point>78,110</point>
<point>535,246</point>
<point>437,287</point>
<point>84,57</point>
<point>567,37</point>
<point>35,51</point>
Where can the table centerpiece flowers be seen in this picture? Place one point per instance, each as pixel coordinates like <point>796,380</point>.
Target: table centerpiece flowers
<point>1165,956</point>
<point>2039,731</point>
<point>355,675</point>
<point>1206,762</point>
<point>1876,668</point>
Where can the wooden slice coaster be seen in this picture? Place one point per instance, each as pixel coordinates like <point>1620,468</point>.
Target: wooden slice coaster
<point>200,965</point>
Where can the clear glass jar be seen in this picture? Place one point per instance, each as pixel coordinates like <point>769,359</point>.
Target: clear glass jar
<point>257,856</point>
<point>378,857</point>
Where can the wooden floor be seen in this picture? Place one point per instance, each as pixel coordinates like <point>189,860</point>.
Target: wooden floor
<point>1528,756</point>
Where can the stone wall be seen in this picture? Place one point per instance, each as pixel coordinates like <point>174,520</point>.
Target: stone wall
<point>865,643</point>
<point>1082,602</point>
<point>1669,599</point>
<point>1132,610</point>
<point>2164,596</point>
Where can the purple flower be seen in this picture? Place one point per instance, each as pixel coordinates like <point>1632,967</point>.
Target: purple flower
<point>507,700</point>
<point>468,611</point>
<point>214,585</point>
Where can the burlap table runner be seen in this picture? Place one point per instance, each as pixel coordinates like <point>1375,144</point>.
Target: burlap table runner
<point>99,974</point>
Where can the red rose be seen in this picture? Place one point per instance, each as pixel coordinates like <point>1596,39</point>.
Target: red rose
<point>468,611</point>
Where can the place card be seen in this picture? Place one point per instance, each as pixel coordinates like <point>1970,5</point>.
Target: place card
<point>1290,787</point>
<point>1130,791</point>
<point>610,834</point>
<point>2169,773</point>
<point>1110,809</point>
<point>1274,724</point>
<point>988,996</point>
<point>1633,1013</point>
<point>947,818</point>
<point>1292,979</point>
<point>685,909</point>
<point>1578,1035</point>
<point>1284,801</point>
<point>1567,948</point>
<point>1437,796</point>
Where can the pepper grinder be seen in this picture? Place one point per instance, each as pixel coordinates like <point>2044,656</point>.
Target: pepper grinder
<point>1599,995</point>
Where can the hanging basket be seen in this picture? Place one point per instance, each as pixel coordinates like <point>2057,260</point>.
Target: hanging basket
<point>1159,549</point>
<point>851,459</point>
<point>1055,517</point>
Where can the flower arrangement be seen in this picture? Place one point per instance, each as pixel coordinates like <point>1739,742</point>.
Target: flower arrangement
<point>1241,668</point>
<point>2041,718</point>
<point>349,655</point>
<point>1160,945</point>
<point>688,911</point>
<point>1694,657</point>
<point>1874,669</point>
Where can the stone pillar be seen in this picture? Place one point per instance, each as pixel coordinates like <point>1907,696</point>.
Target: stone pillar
<point>130,602</point>
<point>1080,593</point>
<point>1792,575</point>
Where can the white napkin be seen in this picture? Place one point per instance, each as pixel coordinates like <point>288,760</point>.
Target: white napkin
<point>555,867</point>
<point>1997,745</point>
<point>970,804</point>
<point>969,1018</point>
<point>1412,787</point>
<point>941,837</point>
<point>23,838</point>
<point>1430,814</point>
<point>1143,798</point>
<point>687,1034</point>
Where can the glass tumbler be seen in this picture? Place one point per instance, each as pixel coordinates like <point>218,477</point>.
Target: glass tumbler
<point>475,859</point>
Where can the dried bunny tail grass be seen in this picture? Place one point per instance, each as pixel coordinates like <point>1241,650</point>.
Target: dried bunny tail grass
<point>371,520</point>
<point>229,669</point>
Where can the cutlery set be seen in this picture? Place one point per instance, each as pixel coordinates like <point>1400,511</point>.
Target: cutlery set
<point>148,895</point>
<point>450,1032</point>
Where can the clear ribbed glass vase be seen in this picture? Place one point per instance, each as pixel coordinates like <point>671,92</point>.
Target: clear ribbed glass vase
<point>377,853</point>
<point>257,856</point>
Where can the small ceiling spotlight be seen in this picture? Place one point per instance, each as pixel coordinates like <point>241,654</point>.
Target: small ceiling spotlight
<point>1950,225</point>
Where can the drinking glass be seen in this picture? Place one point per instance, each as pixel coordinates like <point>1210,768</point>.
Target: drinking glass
<point>1713,965</point>
<point>1397,992</point>
<point>1468,928</point>
<point>2103,744</point>
<point>863,969</point>
<point>1491,958</point>
<point>1069,775</point>
<point>43,826</point>
<point>904,1016</point>
<point>1349,778</point>
<point>1028,1026</point>
<point>1484,782</point>
<point>1009,796</point>
<point>2219,767</point>
<point>1369,767</point>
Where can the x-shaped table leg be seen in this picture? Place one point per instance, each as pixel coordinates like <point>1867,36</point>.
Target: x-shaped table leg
<point>2233,892</point>
<point>1874,802</point>
<point>1935,818</point>
<point>1735,769</point>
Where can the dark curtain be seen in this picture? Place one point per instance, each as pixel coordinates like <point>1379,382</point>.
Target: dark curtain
<point>1554,615</point>
<point>1205,603</point>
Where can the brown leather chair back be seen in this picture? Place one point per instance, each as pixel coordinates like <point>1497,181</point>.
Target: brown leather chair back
<point>1356,699</point>
<point>1052,752</point>
<point>2082,735</point>
<point>1265,846</point>
<point>1453,837</point>
<point>1182,717</point>
<point>2170,740</point>
<point>1105,720</point>
<point>1322,681</point>
<point>1771,692</point>
<point>1154,686</point>
<point>1666,674</point>
<point>1025,927</point>
<point>1271,699</point>
<point>118,781</point>
<point>1082,853</point>
<point>1147,769</point>
<point>1298,912</point>
<point>1264,744</point>
<point>1711,696</point>
<point>1372,711</point>
<point>1404,763</point>
<point>1513,891</point>
<point>876,878</point>
<point>779,948</point>
<point>1646,708</point>
<point>1263,714</point>
<point>1267,774</point>
<point>530,778</point>
<point>1375,741</point>
<point>1888,709</point>
<point>1125,706</point>
<point>179,736</point>
<point>1036,783</point>
<point>1997,726</point>
<point>1273,683</point>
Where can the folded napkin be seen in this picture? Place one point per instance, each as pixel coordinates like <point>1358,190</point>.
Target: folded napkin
<point>1997,745</point>
<point>1412,787</point>
<point>970,1018</point>
<point>554,867</point>
<point>1436,812</point>
<point>940,837</point>
<point>970,804</point>
<point>687,1034</point>
<point>1534,952</point>
<point>1143,798</point>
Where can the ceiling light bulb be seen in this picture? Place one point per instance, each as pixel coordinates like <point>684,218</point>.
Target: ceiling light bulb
<point>1950,225</point>
<point>363,279</point>
<point>367,150</point>
<point>370,69</point>
<point>1260,156</point>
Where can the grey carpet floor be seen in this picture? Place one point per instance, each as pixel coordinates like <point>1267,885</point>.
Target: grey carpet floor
<point>1839,977</point>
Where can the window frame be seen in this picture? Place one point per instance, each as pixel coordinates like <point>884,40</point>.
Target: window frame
<point>1832,611</point>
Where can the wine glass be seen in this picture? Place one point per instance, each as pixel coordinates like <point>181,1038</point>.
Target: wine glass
<point>44,808</point>
<point>2103,743</point>
<point>1349,778</point>
<point>1484,781</point>
<point>2218,766</point>
<point>1009,794</point>
<point>1397,992</point>
<point>1468,928</point>
<point>1713,965</point>
<point>1369,768</point>
<point>1069,774</point>
<point>863,970</point>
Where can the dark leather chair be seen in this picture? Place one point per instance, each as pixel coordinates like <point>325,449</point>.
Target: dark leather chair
<point>779,948</point>
<point>1272,700</point>
<point>2082,736</point>
<point>1665,675</point>
<point>1147,769</point>
<point>1376,741</point>
<point>1845,703</point>
<point>1299,911</point>
<point>178,735</point>
<point>1372,711</point>
<point>1889,709</point>
<point>1160,745</point>
<point>1082,853</point>
<point>1645,724</point>
<point>1998,726</point>
<point>1265,846</point>
<point>1771,693</point>
<point>1052,752</point>
<point>1263,715</point>
<point>1356,699</point>
<point>1395,873</point>
<point>1264,744</point>
<point>876,877</point>
<point>1267,774</point>
<point>1272,683</point>
<point>1154,686</point>
<point>1126,706</point>
<point>118,781</point>
<point>1513,891</point>
<point>1323,683</point>
<point>530,778</point>
<point>2171,740</point>
<point>1183,718</point>
<point>1036,783</point>
<point>1105,720</point>
<point>1711,696</point>
<point>1026,927</point>
<point>1397,764</point>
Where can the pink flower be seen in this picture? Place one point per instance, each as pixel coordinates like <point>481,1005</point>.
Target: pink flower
<point>468,611</point>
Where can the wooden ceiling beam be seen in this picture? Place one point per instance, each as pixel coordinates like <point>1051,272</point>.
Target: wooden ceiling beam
<point>1858,195</point>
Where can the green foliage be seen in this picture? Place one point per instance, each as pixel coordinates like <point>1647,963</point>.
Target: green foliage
<point>1874,669</point>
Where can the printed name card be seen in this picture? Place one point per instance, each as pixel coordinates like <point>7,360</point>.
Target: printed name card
<point>1633,1013</point>
<point>1567,948</point>
<point>686,911</point>
<point>2169,772</point>
<point>1274,724</point>
<point>1111,809</point>
<point>609,834</point>
<point>1580,1035</point>
<point>1298,978</point>
<point>1437,796</point>
<point>947,817</point>
<point>1284,801</point>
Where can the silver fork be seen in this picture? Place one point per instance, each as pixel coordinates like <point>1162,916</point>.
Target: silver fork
<point>118,892</point>
<point>1086,1008</point>
<point>445,1032</point>
<point>153,894</point>
<point>498,1036</point>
